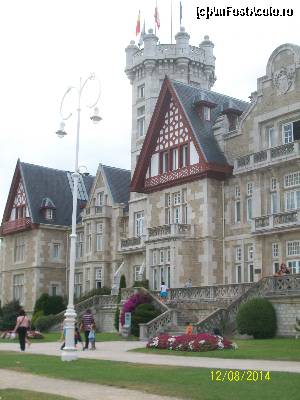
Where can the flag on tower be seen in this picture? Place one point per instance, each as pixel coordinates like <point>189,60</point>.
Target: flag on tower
<point>138,24</point>
<point>143,33</point>
<point>180,5</point>
<point>156,17</point>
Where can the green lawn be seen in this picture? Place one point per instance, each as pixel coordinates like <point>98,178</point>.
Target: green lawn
<point>12,394</point>
<point>186,383</point>
<point>259,349</point>
<point>55,336</point>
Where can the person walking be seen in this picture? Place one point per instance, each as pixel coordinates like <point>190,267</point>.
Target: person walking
<point>163,292</point>
<point>92,336</point>
<point>86,322</point>
<point>22,325</point>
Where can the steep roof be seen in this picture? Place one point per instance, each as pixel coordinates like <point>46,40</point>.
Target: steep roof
<point>188,95</point>
<point>118,180</point>
<point>55,185</point>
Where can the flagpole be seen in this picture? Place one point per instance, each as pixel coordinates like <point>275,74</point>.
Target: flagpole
<point>171,21</point>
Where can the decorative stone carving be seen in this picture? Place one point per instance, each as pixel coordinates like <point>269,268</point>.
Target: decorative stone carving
<point>284,79</point>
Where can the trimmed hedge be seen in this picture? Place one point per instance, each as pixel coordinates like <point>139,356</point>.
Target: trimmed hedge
<point>141,315</point>
<point>49,304</point>
<point>10,312</point>
<point>45,322</point>
<point>144,284</point>
<point>257,317</point>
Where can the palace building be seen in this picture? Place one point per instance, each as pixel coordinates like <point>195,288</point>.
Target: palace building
<point>213,195</point>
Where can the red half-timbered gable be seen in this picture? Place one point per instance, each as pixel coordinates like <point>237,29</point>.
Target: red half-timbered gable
<point>171,154</point>
<point>16,217</point>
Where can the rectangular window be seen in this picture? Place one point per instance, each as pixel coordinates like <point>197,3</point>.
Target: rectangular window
<point>53,290</point>
<point>249,208</point>
<point>294,266</point>
<point>87,279</point>
<point>275,267</point>
<point>139,223</point>
<point>56,250</point>
<point>275,250</point>
<point>155,279</point>
<point>168,255</point>
<point>49,213</point>
<point>141,91</point>
<point>154,257</point>
<point>176,198</point>
<point>237,211</point>
<point>176,215</point>
<point>292,199</point>
<point>161,256</point>
<point>185,214</point>
<point>167,216</point>
<point>136,273</point>
<point>184,155</point>
<point>99,236</point>
<point>141,121</point>
<point>88,238</point>
<point>174,159</point>
<point>162,275</point>
<point>274,203</point>
<point>250,273</point>
<point>19,253</point>
<point>80,244</point>
<point>293,248</point>
<point>100,199</point>
<point>165,162</point>
<point>273,185</point>
<point>18,288</point>
<point>237,192</point>
<point>238,254</point>
<point>99,277</point>
<point>249,189</point>
<point>271,137</point>
<point>78,284</point>
<point>287,133</point>
<point>168,283</point>
<point>291,180</point>
<point>168,200</point>
<point>238,271</point>
<point>250,253</point>
<point>206,113</point>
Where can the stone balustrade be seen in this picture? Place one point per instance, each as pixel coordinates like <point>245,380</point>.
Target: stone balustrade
<point>268,286</point>
<point>265,158</point>
<point>275,221</point>
<point>170,230</point>
<point>158,324</point>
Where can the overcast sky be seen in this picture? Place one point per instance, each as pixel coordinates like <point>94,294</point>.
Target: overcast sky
<point>46,46</point>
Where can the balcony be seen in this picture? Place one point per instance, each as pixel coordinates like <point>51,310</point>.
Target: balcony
<point>96,211</point>
<point>274,222</point>
<point>266,158</point>
<point>16,226</point>
<point>132,244</point>
<point>170,231</point>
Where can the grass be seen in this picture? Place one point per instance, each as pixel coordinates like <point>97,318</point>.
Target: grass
<point>55,336</point>
<point>259,349</point>
<point>185,383</point>
<point>13,394</point>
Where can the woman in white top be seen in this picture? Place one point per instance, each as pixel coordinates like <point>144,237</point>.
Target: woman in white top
<point>21,328</point>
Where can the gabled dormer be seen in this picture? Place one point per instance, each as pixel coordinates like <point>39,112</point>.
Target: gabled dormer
<point>48,209</point>
<point>232,113</point>
<point>179,145</point>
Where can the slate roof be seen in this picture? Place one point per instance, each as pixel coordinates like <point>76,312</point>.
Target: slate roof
<point>118,180</point>
<point>42,182</point>
<point>187,95</point>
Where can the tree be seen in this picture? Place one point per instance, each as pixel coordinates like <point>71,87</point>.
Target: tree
<point>10,312</point>
<point>117,313</point>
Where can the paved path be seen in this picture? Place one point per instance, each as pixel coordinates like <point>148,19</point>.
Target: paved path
<point>75,390</point>
<point>118,351</point>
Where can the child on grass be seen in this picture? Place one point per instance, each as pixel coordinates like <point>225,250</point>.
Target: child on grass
<point>92,336</point>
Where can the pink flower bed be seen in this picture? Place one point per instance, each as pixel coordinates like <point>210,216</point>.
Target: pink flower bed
<point>131,304</point>
<point>197,342</point>
<point>30,334</point>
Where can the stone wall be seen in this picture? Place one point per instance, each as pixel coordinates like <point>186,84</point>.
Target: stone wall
<point>287,309</point>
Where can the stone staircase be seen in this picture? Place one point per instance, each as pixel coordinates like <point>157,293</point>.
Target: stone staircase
<point>213,307</point>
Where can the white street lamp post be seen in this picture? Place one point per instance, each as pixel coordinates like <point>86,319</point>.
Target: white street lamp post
<point>69,352</point>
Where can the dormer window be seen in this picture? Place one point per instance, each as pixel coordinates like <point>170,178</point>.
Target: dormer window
<point>206,113</point>
<point>47,208</point>
<point>49,213</point>
<point>232,120</point>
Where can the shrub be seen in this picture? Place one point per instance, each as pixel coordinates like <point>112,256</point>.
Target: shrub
<point>10,312</point>
<point>122,282</point>
<point>36,316</point>
<point>45,322</point>
<point>197,342</point>
<point>49,304</point>
<point>257,317</point>
<point>141,315</point>
<point>144,284</point>
<point>131,304</point>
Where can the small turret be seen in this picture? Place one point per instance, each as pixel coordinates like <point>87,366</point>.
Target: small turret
<point>150,42</point>
<point>182,42</point>
<point>208,46</point>
<point>130,50</point>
